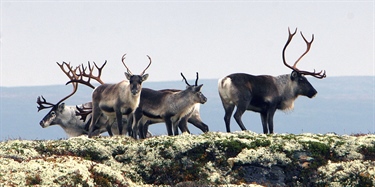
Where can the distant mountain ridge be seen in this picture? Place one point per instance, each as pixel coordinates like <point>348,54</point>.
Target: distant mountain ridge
<point>343,105</point>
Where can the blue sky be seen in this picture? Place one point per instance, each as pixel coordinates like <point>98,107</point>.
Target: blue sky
<point>215,38</point>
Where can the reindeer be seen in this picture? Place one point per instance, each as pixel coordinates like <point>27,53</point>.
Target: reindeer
<point>264,93</point>
<point>116,100</point>
<point>193,118</point>
<point>169,106</point>
<point>85,111</point>
<point>60,114</point>
<point>65,116</point>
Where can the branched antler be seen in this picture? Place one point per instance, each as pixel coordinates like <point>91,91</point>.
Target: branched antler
<point>83,74</point>
<point>68,71</point>
<point>71,75</point>
<point>319,75</point>
<point>128,70</point>
<point>43,104</point>
<point>84,110</point>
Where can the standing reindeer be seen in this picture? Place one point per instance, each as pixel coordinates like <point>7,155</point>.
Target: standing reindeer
<point>169,106</point>
<point>265,94</point>
<point>85,111</point>
<point>116,100</point>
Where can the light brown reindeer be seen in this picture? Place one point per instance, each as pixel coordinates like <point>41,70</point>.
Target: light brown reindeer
<point>265,94</point>
<point>116,100</point>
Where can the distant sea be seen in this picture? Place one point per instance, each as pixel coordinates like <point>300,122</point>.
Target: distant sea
<point>343,105</point>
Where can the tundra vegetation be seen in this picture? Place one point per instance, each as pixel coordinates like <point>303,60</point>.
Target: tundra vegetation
<point>241,158</point>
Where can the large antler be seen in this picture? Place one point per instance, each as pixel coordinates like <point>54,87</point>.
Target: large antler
<point>71,75</point>
<point>82,73</point>
<point>128,70</point>
<point>319,75</point>
<point>41,101</point>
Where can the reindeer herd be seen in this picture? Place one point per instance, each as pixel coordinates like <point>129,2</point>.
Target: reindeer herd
<point>127,108</point>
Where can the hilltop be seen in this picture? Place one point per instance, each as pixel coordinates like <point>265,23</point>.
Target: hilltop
<point>242,158</point>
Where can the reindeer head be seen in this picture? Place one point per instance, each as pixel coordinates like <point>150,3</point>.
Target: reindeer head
<point>53,116</point>
<point>135,80</point>
<point>301,84</point>
<point>195,90</point>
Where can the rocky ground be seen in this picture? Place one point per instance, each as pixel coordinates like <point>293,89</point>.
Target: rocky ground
<point>211,159</point>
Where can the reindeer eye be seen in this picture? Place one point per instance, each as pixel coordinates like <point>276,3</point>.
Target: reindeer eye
<point>53,112</point>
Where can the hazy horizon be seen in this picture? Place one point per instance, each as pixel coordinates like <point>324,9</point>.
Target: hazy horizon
<point>215,38</point>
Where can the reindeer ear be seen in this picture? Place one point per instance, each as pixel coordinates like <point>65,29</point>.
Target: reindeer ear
<point>61,106</point>
<point>144,77</point>
<point>294,75</point>
<point>198,88</point>
<point>127,75</point>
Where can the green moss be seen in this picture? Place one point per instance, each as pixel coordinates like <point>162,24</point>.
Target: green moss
<point>260,143</point>
<point>320,152</point>
<point>368,152</point>
<point>231,147</point>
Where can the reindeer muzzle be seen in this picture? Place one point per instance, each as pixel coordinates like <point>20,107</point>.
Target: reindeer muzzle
<point>203,100</point>
<point>312,93</point>
<point>135,91</point>
<point>41,123</point>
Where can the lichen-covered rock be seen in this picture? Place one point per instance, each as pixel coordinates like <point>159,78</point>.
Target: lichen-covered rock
<point>229,159</point>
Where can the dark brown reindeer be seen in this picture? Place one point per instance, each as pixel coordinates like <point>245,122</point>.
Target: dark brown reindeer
<point>116,100</point>
<point>265,94</point>
<point>170,106</point>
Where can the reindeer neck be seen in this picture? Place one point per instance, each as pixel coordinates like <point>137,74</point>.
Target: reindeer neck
<point>72,124</point>
<point>287,93</point>
<point>182,99</point>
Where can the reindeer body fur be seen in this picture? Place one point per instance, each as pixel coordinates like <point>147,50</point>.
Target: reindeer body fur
<point>263,94</point>
<point>65,117</point>
<point>193,117</point>
<point>169,106</point>
<point>114,101</point>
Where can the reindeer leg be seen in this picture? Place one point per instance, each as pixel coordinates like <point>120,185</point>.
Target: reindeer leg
<point>141,126</point>
<point>183,125</point>
<point>197,122</point>
<point>109,124</point>
<point>95,118</point>
<point>228,114</point>
<point>137,124</point>
<point>145,128</point>
<point>271,113</point>
<point>168,123</point>
<point>119,121</point>
<point>264,118</point>
<point>87,125</point>
<point>241,108</point>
